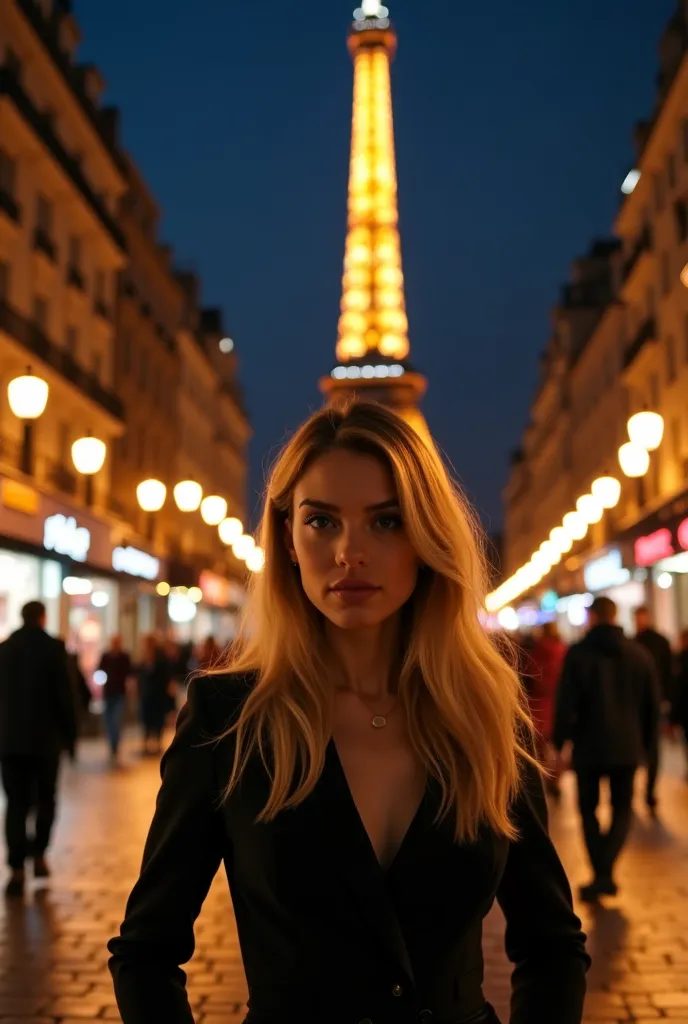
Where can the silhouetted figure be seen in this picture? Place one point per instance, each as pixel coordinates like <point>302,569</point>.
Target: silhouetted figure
<point>608,706</point>
<point>209,654</point>
<point>117,667</point>
<point>659,649</point>
<point>38,721</point>
<point>679,704</point>
<point>547,658</point>
<point>154,674</point>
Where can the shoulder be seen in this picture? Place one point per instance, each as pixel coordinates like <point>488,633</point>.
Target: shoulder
<point>637,652</point>
<point>217,697</point>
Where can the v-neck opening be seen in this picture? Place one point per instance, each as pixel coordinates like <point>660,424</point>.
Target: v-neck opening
<point>384,870</point>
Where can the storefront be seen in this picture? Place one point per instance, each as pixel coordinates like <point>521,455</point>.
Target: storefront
<point>211,606</point>
<point>663,553</point>
<point>610,575</point>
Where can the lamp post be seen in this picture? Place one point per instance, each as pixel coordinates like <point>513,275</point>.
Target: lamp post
<point>88,456</point>
<point>151,495</point>
<point>28,397</point>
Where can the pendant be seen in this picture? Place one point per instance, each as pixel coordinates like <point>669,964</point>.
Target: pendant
<point>379,722</point>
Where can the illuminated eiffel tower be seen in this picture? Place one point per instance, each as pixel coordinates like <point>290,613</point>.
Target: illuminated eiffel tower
<point>373,345</point>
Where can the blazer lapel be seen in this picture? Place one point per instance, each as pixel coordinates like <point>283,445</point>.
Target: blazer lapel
<point>353,856</point>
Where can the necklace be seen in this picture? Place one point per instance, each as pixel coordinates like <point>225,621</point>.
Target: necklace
<point>378,721</point>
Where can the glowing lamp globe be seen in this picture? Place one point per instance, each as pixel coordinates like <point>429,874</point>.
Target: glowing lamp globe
<point>634,460</point>
<point>88,455</point>
<point>590,508</point>
<point>188,495</point>
<point>213,509</point>
<point>255,561</point>
<point>151,495</point>
<point>607,490</point>
<point>28,396</point>
<point>561,539</point>
<point>541,562</point>
<point>551,552</point>
<point>243,547</point>
<point>230,530</point>
<point>646,429</point>
<point>575,525</point>
<point>508,619</point>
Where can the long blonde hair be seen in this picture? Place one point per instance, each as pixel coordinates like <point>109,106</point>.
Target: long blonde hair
<point>461,697</point>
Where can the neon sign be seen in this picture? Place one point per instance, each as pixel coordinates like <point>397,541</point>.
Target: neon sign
<point>654,547</point>
<point>135,563</point>
<point>607,571</point>
<point>61,534</point>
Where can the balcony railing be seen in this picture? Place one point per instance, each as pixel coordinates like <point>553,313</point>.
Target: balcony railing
<point>75,278</point>
<point>643,244</point>
<point>36,342</point>
<point>9,86</point>
<point>646,333</point>
<point>44,243</point>
<point>47,32</point>
<point>11,207</point>
<point>62,479</point>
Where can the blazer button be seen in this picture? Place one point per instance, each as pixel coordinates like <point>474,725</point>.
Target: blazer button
<point>397,990</point>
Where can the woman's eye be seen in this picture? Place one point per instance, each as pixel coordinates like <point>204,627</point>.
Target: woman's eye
<point>389,522</point>
<point>318,522</point>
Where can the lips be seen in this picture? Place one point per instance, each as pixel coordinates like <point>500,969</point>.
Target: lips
<point>354,591</point>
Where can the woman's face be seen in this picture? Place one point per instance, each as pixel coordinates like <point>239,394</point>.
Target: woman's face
<point>356,563</point>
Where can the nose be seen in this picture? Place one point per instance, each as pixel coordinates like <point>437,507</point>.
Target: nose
<point>351,549</point>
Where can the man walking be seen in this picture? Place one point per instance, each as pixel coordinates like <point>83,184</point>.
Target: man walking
<point>37,722</point>
<point>608,707</point>
<point>117,668</point>
<point>659,649</point>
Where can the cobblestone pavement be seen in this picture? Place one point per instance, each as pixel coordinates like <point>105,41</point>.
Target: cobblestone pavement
<point>52,945</point>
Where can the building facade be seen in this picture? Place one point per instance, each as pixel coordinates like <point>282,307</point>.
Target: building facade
<point>92,307</point>
<point>619,347</point>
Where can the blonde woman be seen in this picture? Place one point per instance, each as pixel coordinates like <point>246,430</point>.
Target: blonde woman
<point>361,766</point>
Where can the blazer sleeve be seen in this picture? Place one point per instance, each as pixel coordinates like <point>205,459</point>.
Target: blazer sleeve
<point>543,936</point>
<point>185,846</point>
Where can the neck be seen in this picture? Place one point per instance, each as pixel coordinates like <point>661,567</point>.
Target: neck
<point>368,657</point>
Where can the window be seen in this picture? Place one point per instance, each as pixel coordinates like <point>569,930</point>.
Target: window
<point>658,187</point>
<point>142,448</point>
<point>63,443</point>
<point>97,364</point>
<point>671,170</point>
<point>5,282</point>
<point>676,439</point>
<point>75,252</point>
<point>654,390</point>
<point>8,173</point>
<point>72,342</point>
<point>649,302</point>
<point>685,337</point>
<point>44,215</point>
<point>684,132</point>
<point>681,216</point>
<point>40,313</point>
<point>126,351</point>
<point>99,286</point>
<point>13,63</point>
<point>665,270</point>
<point>670,359</point>
<point>143,371</point>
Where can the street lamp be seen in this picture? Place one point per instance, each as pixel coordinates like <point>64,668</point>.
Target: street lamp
<point>88,456</point>
<point>213,509</point>
<point>28,397</point>
<point>243,547</point>
<point>575,525</point>
<point>607,490</point>
<point>590,508</point>
<point>646,429</point>
<point>634,460</point>
<point>255,560</point>
<point>151,495</point>
<point>230,530</point>
<point>188,495</point>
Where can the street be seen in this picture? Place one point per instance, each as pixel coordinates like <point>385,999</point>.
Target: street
<point>52,946</point>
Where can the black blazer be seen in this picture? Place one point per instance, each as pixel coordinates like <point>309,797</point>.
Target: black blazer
<point>328,937</point>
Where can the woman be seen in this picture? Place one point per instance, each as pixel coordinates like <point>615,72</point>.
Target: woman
<point>155,675</point>
<point>547,660</point>
<point>360,767</point>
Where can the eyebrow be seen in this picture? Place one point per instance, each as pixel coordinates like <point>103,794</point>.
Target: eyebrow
<point>327,507</point>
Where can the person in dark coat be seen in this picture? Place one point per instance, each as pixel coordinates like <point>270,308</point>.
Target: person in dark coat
<point>155,679</point>
<point>547,660</point>
<point>117,668</point>
<point>38,721</point>
<point>679,703</point>
<point>608,707</point>
<point>659,649</point>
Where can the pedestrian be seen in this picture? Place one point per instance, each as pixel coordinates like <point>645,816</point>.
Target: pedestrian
<point>154,678</point>
<point>362,765</point>
<point>608,707</point>
<point>659,649</point>
<point>116,667</point>
<point>679,704</point>
<point>547,659</point>
<point>209,654</point>
<point>38,721</point>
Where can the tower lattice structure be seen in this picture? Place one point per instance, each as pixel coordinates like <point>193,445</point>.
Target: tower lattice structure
<point>373,337</point>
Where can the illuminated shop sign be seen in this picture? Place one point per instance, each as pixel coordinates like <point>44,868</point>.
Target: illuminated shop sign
<point>605,572</point>
<point>135,563</point>
<point>660,544</point>
<point>64,536</point>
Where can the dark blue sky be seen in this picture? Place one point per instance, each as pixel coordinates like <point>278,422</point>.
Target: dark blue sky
<point>513,124</point>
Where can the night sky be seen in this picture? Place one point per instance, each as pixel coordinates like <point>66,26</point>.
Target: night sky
<point>513,125</point>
